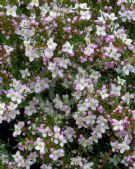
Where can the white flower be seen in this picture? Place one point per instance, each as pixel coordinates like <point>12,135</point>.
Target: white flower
<point>128,41</point>
<point>67,48</point>
<point>2,108</point>
<point>58,102</point>
<point>48,52</point>
<point>88,51</point>
<point>88,165</point>
<point>51,45</point>
<point>56,154</point>
<point>118,125</point>
<point>93,103</point>
<point>8,49</point>
<point>104,93</point>
<point>11,11</point>
<point>115,90</point>
<point>18,128</point>
<point>19,159</point>
<point>127,97</point>
<point>53,68</point>
<point>44,9</point>
<point>85,15</point>
<point>90,119</point>
<point>84,6</point>
<point>25,73</point>
<point>28,163</point>
<point>75,161</point>
<point>69,134</point>
<point>81,84</point>
<point>40,146</point>
<point>121,81</point>
<point>14,96</point>
<point>12,106</point>
<point>101,30</point>
<point>30,52</point>
<point>112,16</point>
<point>64,63</point>
<point>83,107</point>
<point>115,146</point>
<point>34,3</point>
<point>113,52</point>
<point>128,68</point>
<point>123,147</point>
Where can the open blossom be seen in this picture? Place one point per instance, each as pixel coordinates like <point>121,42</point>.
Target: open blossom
<point>101,31</point>
<point>18,159</point>
<point>127,97</point>
<point>15,96</point>
<point>51,45</point>
<point>40,146</point>
<point>67,48</point>
<point>121,81</point>
<point>48,53</point>
<point>25,73</point>
<point>56,154</point>
<point>128,68</point>
<point>123,147</point>
<point>117,125</point>
<point>12,106</point>
<point>93,103</point>
<point>18,128</point>
<point>115,90</point>
<point>88,51</point>
<point>104,93</point>
<point>115,146</point>
<point>76,161</point>
<point>85,15</point>
<point>11,11</point>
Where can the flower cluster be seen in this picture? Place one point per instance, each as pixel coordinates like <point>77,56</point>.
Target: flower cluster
<point>67,94</point>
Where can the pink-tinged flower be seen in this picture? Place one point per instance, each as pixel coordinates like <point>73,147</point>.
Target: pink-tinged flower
<point>123,147</point>
<point>67,48</point>
<point>15,96</point>
<point>88,51</point>
<point>85,15</point>
<point>56,154</point>
<point>12,106</point>
<point>117,125</point>
<point>104,93</point>
<point>48,53</point>
<point>18,159</point>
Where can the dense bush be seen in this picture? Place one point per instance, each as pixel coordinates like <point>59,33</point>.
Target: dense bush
<point>67,82</point>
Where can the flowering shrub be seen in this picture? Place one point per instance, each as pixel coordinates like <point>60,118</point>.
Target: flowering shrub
<point>67,71</point>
